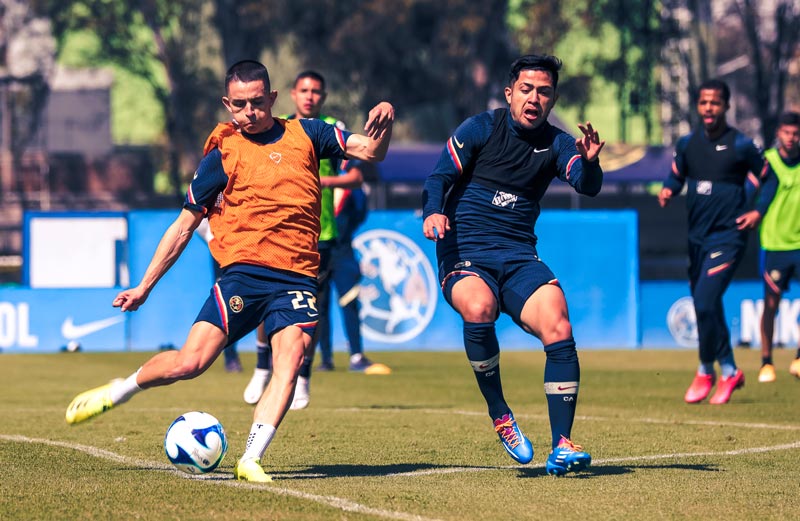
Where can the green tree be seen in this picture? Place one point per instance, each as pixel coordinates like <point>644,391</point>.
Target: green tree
<point>162,42</point>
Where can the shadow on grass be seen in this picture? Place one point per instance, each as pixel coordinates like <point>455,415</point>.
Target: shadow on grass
<point>411,470</point>
<point>618,470</point>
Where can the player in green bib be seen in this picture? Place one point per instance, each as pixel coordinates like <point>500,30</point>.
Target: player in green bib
<point>780,232</point>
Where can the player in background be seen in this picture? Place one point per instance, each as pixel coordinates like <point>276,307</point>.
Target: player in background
<point>779,203</point>
<point>496,168</point>
<point>719,165</point>
<point>350,210</point>
<point>258,185</point>
<point>309,94</point>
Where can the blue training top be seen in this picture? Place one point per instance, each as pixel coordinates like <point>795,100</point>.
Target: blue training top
<point>722,181</point>
<point>496,173</point>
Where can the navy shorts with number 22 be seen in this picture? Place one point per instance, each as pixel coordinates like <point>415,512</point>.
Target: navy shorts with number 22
<point>244,296</point>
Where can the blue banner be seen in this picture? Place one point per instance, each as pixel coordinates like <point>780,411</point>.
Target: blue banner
<point>594,254</point>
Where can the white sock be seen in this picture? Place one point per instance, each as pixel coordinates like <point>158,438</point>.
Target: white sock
<point>263,373</point>
<point>123,390</point>
<point>259,439</point>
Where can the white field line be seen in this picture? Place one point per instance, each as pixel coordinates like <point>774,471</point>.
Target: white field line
<point>332,501</point>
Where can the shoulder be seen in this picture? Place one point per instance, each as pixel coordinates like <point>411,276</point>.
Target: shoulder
<point>477,125</point>
<point>217,136</point>
<point>330,120</point>
<point>742,141</point>
<point>683,142</point>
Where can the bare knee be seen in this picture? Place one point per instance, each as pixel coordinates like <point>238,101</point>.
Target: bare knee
<point>556,331</point>
<point>478,310</point>
<point>187,368</point>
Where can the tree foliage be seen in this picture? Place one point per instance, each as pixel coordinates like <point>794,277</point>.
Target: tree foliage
<point>160,41</point>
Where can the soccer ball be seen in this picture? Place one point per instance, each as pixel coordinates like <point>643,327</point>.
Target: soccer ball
<point>195,442</point>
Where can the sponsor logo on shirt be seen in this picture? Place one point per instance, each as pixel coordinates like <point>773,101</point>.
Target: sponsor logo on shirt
<point>720,148</point>
<point>504,199</point>
<point>704,187</point>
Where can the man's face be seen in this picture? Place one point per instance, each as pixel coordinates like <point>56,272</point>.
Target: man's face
<point>789,140</point>
<point>531,98</point>
<point>250,105</point>
<point>712,108</point>
<point>308,96</point>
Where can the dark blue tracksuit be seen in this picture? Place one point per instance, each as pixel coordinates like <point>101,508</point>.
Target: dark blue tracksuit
<point>721,178</point>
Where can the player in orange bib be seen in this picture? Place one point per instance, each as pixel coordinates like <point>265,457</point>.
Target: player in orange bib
<point>258,185</point>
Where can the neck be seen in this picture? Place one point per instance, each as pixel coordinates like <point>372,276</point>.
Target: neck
<point>714,133</point>
<point>789,153</point>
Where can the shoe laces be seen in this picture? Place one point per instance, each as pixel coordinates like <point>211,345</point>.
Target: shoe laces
<point>567,444</point>
<point>509,433</point>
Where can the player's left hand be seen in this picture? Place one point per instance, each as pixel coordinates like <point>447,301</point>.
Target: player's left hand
<point>589,146</point>
<point>379,120</point>
<point>749,220</point>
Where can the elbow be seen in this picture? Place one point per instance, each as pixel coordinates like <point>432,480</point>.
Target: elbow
<point>590,189</point>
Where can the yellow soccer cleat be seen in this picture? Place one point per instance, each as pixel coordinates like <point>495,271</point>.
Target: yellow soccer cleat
<point>795,367</point>
<point>250,470</point>
<point>767,373</point>
<point>89,404</point>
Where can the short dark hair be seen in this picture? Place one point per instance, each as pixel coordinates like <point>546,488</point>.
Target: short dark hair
<point>716,84</point>
<point>247,71</point>
<point>789,118</point>
<point>314,75</point>
<point>535,62</point>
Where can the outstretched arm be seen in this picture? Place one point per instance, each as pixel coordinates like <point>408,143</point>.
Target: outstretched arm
<point>169,249</point>
<point>589,146</point>
<point>378,129</point>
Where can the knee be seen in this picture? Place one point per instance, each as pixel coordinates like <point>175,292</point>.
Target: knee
<point>557,331</point>
<point>187,368</point>
<point>478,311</point>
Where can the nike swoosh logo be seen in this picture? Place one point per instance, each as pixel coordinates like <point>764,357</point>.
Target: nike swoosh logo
<point>459,145</point>
<point>560,388</point>
<point>720,148</point>
<point>715,254</point>
<point>540,150</point>
<point>71,331</point>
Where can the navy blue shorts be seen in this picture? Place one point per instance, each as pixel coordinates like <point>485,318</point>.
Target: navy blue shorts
<point>512,275</point>
<point>245,296</point>
<point>778,268</point>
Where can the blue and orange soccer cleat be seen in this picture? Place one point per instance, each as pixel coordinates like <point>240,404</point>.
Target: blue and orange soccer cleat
<point>567,457</point>
<point>516,444</point>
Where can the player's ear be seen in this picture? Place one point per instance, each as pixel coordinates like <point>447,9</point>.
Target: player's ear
<point>507,91</point>
<point>273,95</point>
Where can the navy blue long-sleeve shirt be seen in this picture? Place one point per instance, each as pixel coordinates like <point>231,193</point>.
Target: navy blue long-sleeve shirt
<point>492,174</point>
<point>722,181</point>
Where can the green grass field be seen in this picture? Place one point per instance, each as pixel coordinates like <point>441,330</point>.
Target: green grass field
<point>415,445</point>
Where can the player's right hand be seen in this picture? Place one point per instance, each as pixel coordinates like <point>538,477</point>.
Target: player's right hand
<point>664,196</point>
<point>130,299</point>
<point>435,226</point>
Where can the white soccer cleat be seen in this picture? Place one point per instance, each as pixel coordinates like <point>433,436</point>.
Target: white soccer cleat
<point>255,388</point>
<point>301,395</point>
